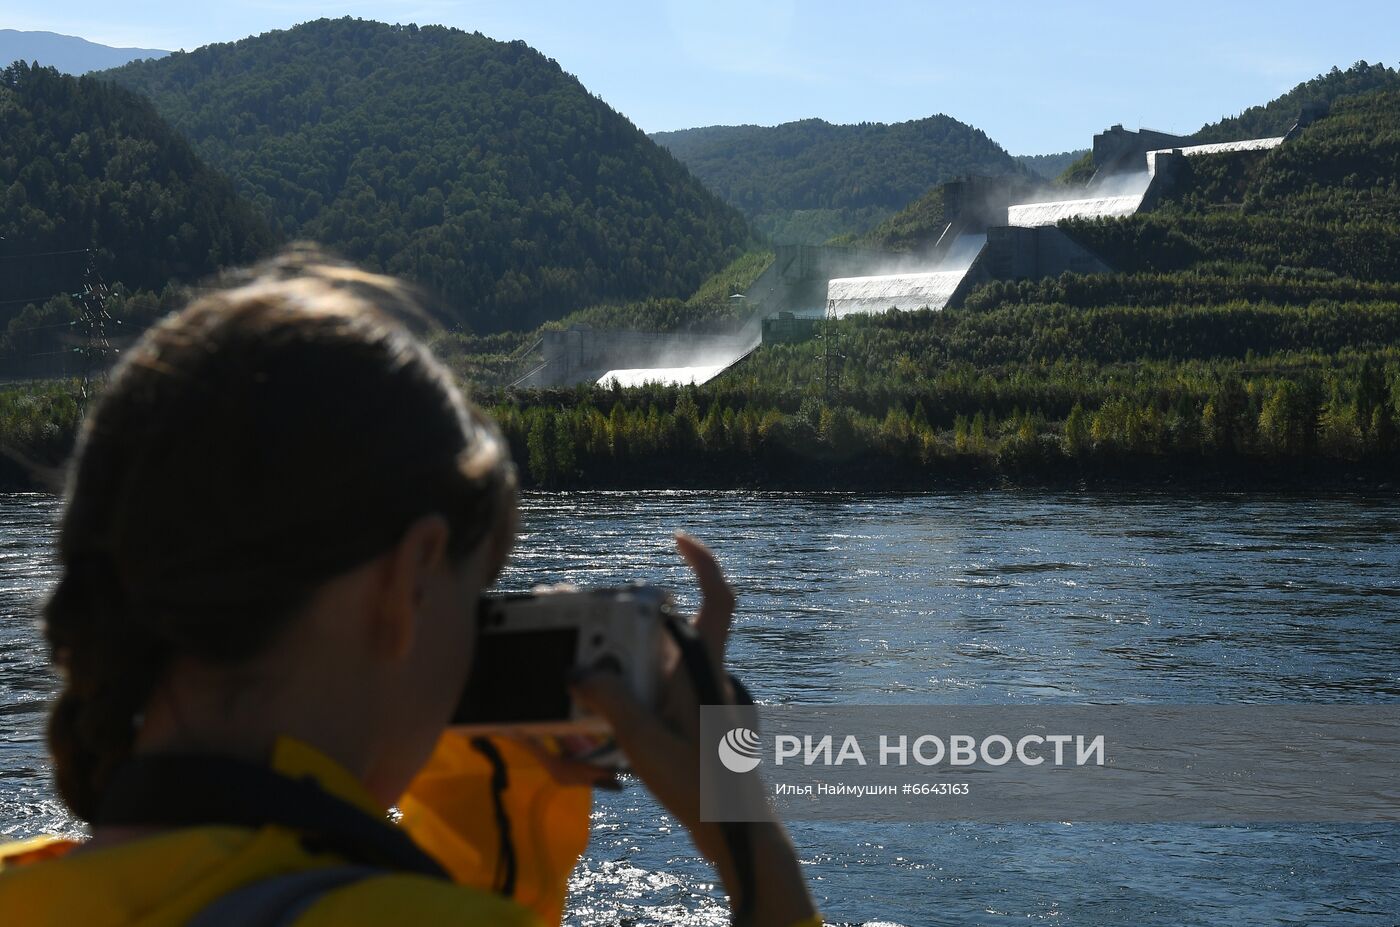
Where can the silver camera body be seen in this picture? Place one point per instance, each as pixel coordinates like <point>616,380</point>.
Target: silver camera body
<point>530,645</point>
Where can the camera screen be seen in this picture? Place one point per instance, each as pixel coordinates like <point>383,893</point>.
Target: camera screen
<point>519,676</point>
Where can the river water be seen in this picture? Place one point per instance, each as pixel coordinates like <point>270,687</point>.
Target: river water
<point>957,598</point>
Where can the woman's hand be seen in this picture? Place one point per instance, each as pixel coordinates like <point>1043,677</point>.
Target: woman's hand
<point>662,745</point>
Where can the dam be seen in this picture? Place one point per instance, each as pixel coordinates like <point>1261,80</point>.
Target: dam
<point>1193,151</point>
<point>993,228</point>
<point>997,229</point>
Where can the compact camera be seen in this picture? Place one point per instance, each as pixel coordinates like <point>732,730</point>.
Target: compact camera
<point>529,644</point>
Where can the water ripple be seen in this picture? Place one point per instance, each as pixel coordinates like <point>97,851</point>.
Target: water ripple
<point>968,598</point>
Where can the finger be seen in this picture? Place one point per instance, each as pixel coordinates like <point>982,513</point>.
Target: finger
<point>717,598</point>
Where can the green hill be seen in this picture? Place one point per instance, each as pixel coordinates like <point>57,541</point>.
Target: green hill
<point>810,181</point>
<point>476,167</point>
<point>85,164</point>
<point>1279,115</point>
<point>919,223</point>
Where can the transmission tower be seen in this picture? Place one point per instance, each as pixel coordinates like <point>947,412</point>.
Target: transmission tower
<point>831,356</point>
<point>94,319</point>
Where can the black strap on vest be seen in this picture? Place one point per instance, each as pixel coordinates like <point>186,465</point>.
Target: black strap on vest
<point>500,781</point>
<point>177,790</point>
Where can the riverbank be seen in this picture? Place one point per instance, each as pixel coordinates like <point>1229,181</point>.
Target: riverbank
<point>785,470</point>
<point>1232,436</point>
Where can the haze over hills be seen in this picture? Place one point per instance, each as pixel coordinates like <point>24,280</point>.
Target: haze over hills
<point>808,181</point>
<point>68,53</point>
<point>476,167</point>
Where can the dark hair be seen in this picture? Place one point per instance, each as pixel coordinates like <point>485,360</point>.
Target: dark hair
<point>274,434</point>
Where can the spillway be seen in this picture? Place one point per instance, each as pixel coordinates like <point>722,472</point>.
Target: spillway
<point>854,295</point>
<point>1250,144</point>
<point>664,376</point>
<point>1035,215</point>
<point>929,289</point>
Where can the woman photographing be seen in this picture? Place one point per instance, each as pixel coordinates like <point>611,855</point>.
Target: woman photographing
<point>279,520</point>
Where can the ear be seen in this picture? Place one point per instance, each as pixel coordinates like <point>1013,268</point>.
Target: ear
<point>408,568</point>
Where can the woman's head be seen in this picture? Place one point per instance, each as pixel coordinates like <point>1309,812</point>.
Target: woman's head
<point>270,438</point>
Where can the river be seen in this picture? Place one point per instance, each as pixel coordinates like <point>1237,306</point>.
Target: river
<point>956,598</point>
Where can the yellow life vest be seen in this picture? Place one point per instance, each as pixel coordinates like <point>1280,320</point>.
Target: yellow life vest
<point>165,879</point>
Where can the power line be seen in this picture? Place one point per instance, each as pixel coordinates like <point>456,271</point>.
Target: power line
<point>40,328</point>
<point>16,257</point>
<point>32,299</point>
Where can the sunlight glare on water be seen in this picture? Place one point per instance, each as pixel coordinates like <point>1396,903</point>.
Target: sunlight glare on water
<point>955,598</point>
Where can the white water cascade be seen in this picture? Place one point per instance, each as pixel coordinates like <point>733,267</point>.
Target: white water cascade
<point>905,292</point>
<point>1191,151</point>
<point>1035,215</point>
<point>856,295</point>
<point>665,376</point>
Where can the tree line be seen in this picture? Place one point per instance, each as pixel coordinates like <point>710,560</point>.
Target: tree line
<point>1291,415</point>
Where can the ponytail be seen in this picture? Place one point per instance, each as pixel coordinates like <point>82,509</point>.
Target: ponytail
<point>111,666</point>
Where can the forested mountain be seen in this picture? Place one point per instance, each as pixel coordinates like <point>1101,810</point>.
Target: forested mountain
<point>478,168</point>
<point>86,164</point>
<point>1280,114</point>
<point>809,181</point>
<point>67,53</point>
<point>1250,332</point>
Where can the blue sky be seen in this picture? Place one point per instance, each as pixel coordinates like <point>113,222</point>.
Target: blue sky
<point>1037,75</point>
